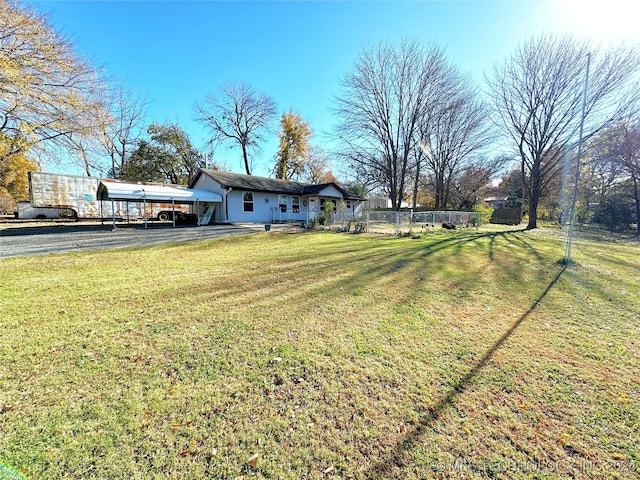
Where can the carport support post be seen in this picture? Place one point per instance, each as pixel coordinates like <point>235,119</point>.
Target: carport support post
<point>144,203</point>
<point>113,215</point>
<point>173,212</point>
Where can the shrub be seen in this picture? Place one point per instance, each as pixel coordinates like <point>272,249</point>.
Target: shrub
<point>329,208</point>
<point>484,214</point>
<point>614,213</point>
<point>583,214</point>
<point>361,227</point>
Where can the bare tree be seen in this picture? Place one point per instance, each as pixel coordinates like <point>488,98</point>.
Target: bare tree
<point>451,135</point>
<point>316,166</point>
<point>619,145</point>
<point>121,135</point>
<point>240,114</point>
<point>49,97</point>
<point>600,171</point>
<point>380,109</point>
<point>537,95</point>
<point>474,179</point>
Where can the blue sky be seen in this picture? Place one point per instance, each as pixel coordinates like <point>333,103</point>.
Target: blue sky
<point>175,53</point>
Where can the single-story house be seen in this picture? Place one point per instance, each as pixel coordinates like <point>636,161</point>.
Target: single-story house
<point>249,198</point>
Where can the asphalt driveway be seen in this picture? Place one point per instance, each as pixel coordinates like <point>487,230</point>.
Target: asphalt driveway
<point>21,241</point>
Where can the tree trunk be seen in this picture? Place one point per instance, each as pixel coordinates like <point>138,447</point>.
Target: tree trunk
<point>534,198</point>
<point>533,214</point>
<point>246,159</point>
<point>395,205</point>
<point>636,196</point>
<point>439,187</point>
<point>534,193</point>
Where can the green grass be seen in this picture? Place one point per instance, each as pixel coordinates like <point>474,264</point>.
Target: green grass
<point>460,355</point>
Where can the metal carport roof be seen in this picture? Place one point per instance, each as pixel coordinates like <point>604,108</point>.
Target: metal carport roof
<point>154,193</point>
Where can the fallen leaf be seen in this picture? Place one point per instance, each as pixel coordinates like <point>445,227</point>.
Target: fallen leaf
<point>185,453</point>
<point>523,406</point>
<point>617,456</point>
<point>253,460</point>
<point>328,470</point>
<point>563,439</point>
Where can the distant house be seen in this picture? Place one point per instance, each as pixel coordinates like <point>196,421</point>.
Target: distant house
<point>248,198</point>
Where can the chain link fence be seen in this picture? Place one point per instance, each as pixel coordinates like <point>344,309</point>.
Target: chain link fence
<point>392,222</point>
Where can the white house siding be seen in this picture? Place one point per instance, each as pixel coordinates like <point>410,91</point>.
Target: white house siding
<point>266,206</point>
<point>206,183</point>
<point>262,202</point>
<point>331,192</point>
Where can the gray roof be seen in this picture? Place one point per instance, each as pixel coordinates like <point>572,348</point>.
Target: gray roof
<point>111,190</point>
<point>238,181</point>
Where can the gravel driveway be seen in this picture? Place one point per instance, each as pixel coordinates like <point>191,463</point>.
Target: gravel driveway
<point>21,241</point>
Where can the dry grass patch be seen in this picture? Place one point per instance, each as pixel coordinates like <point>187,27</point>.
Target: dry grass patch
<point>327,356</point>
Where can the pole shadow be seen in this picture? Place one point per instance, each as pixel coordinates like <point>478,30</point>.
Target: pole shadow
<point>383,467</point>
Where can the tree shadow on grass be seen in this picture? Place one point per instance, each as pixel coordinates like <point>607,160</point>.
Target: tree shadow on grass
<point>384,465</point>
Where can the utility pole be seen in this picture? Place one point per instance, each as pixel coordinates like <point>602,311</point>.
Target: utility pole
<point>567,258</point>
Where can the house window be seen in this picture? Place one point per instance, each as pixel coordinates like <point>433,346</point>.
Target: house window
<point>247,202</point>
<point>282,203</point>
<point>348,204</point>
<point>295,204</point>
<point>322,202</point>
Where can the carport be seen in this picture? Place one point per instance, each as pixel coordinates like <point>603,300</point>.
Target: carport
<point>203,201</point>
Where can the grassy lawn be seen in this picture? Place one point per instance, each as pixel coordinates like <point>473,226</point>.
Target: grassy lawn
<point>320,355</point>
